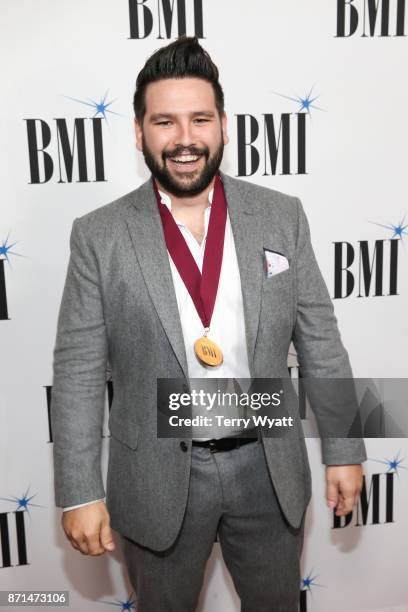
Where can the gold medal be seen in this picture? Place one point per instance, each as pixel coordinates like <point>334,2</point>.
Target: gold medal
<point>207,351</point>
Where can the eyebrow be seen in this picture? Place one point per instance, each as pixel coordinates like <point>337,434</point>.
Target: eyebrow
<point>157,116</point>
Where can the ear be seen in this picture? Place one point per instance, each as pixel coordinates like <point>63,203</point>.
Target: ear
<point>138,133</point>
<point>224,128</point>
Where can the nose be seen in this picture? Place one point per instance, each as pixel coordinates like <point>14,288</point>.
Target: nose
<point>185,134</point>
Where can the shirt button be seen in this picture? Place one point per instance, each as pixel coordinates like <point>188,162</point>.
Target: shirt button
<point>183,447</point>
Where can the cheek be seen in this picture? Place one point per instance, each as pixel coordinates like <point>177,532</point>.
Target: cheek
<point>157,143</point>
<point>209,140</point>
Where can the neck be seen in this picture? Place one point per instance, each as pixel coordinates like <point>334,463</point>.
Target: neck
<point>197,202</point>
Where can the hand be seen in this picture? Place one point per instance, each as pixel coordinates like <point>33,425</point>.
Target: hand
<point>88,528</point>
<point>343,487</point>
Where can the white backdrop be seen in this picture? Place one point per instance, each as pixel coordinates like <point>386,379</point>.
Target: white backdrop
<point>57,58</point>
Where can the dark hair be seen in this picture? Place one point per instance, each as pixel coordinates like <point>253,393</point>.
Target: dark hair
<point>184,57</point>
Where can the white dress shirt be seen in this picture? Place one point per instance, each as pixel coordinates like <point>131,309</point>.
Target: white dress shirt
<point>227,328</point>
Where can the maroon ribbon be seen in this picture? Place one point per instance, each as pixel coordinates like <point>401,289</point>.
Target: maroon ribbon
<point>201,287</point>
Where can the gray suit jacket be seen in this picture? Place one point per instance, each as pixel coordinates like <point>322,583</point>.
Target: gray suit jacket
<point>119,306</point>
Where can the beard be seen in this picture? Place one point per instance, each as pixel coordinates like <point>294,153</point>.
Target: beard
<point>191,186</point>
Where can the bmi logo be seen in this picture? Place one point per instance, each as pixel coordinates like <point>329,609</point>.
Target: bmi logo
<point>70,149</point>
<point>274,143</point>
<point>376,504</point>
<point>370,267</point>
<point>166,18</point>
<point>5,252</point>
<point>15,529</point>
<point>368,18</point>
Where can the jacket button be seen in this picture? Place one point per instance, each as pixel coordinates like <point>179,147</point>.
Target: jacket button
<point>183,446</point>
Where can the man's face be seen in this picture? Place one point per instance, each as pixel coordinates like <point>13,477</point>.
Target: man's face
<point>182,136</point>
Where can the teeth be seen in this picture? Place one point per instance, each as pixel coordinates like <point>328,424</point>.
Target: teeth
<point>185,158</point>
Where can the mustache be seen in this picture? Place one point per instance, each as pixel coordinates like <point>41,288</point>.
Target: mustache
<point>185,151</point>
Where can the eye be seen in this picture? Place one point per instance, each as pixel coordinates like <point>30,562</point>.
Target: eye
<point>201,120</point>
<point>163,123</point>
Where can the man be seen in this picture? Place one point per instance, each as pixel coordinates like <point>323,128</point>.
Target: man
<point>144,293</point>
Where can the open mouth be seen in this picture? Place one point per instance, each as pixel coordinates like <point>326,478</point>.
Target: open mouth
<point>186,162</point>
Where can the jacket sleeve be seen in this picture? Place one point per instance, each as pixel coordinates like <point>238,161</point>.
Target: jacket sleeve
<point>320,350</point>
<point>78,393</point>
<point>94,501</point>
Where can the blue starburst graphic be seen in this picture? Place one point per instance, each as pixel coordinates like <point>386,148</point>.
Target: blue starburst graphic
<point>129,604</point>
<point>393,464</point>
<point>308,582</point>
<point>5,250</point>
<point>398,230</point>
<point>101,107</point>
<point>305,102</point>
<point>24,502</point>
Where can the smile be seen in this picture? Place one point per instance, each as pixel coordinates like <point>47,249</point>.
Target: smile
<point>187,161</point>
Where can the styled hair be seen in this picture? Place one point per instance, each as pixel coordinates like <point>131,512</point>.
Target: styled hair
<point>184,57</point>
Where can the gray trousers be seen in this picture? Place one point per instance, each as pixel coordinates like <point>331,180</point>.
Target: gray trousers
<point>230,493</point>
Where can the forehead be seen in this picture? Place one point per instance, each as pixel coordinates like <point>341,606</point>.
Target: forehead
<point>179,96</point>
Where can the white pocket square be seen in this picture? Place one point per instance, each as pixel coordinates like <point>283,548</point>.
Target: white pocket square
<point>274,263</point>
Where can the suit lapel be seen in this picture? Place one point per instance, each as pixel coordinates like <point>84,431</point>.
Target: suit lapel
<point>146,231</point>
<point>247,228</point>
